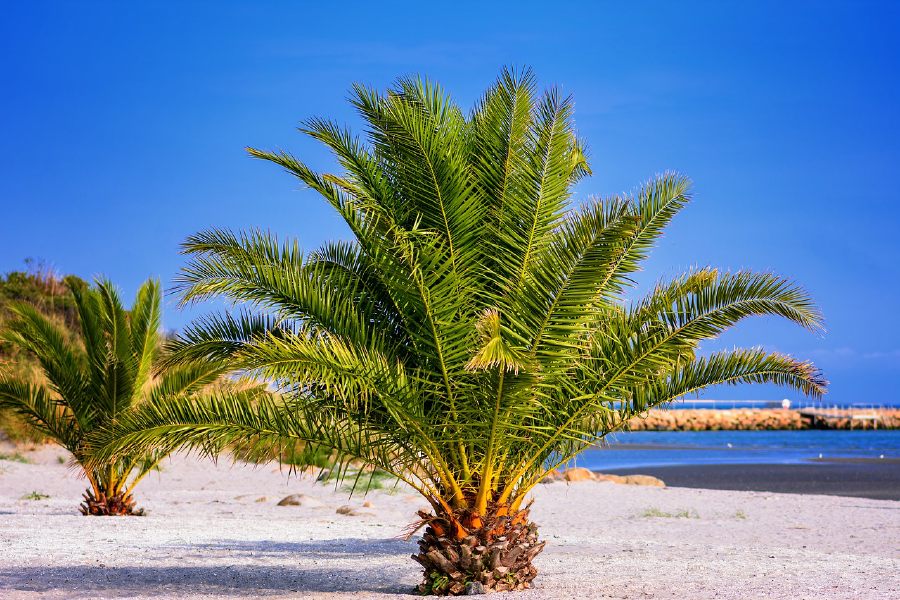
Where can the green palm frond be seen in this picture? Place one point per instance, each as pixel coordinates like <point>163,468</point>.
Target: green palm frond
<point>187,378</point>
<point>218,337</point>
<point>475,331</point>
<point>729,368</point>
<point>62,363</point>
<point>41,411</point>
<point>146,321</point>
<point>250,423</point>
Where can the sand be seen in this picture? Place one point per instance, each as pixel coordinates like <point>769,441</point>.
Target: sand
<point>215,531</point>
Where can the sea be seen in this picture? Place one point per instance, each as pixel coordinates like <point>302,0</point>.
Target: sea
<point>677,448</point>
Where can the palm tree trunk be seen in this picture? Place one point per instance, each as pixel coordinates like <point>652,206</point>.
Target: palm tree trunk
<point>98,501</point>
<point>494,550</point>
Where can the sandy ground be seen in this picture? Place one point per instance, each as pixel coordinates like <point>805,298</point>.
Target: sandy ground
<point>215,531</point>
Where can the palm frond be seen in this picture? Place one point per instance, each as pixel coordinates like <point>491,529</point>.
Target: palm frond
<point>727,368</point>
<point>146,321</point>
<point>60,361</point>
<point>474,331</point>
<point>187,378</point>
<point>249,423</point>
<point>41,411</point>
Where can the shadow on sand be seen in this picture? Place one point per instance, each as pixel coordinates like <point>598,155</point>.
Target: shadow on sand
<point>345,565</point>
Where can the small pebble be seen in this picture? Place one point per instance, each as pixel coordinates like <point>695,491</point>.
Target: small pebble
<point>474,588</point>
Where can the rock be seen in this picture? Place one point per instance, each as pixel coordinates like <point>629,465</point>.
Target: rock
<point>554,475</point>
<point>324,475</point>
<point>254,496</point>
<point>579,474</point>
<point>643,480</point>
<point>352,512</point>
<point>474,588</point>
<point>368,505</point>
<point>301,500</point>
<point>630,479</point>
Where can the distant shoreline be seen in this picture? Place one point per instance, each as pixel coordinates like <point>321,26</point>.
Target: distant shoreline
<point>857,477</point>
<point>629,447</point>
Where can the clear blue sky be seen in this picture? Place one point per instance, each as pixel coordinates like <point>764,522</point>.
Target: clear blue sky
<point>123,127</point>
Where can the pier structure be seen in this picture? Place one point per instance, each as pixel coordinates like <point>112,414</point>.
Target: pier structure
<point>832,417</point>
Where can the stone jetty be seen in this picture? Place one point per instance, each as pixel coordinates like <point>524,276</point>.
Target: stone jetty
<point>756,419</point>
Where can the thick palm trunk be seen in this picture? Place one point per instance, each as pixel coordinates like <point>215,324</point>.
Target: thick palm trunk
<point>495,550</point>
<point>103,505</point>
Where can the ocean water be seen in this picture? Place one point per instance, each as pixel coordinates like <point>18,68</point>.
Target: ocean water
<point>668,448</point>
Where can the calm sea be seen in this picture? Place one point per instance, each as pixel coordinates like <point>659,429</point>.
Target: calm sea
<point>666,448</point>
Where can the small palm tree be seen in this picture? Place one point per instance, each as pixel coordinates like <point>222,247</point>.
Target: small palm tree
<point>90,384</point>
<point>473,336</point>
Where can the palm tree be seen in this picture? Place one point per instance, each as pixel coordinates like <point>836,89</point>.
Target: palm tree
<point>473,336</point>
<point>90,384</point>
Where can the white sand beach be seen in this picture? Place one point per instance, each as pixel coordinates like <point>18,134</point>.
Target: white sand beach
<point>216,531</point>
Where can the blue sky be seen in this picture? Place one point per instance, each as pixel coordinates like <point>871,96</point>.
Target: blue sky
<point>123,128</point>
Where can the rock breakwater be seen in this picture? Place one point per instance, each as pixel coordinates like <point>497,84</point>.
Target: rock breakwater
<point>760,419</point>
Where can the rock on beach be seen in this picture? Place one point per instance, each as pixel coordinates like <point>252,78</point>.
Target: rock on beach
<point>301,500</point>
<point>576,474</point>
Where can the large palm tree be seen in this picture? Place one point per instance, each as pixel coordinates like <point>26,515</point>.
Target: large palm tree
<point>89,384</point>
<point>473,335</point>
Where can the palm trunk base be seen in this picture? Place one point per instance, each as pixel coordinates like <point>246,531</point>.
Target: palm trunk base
<point>118,505</point>
<point>497,554</point>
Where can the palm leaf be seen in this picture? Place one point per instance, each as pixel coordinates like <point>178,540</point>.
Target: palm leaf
<point>474,331</point>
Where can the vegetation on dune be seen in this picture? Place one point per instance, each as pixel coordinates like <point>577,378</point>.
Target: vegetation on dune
<point>14,457</point>
<point>473,335</point>
<point>49,292</point>
<point>44,288</point>
<point>35,496</point>
<point>90,382</point>
<point>684,513</point>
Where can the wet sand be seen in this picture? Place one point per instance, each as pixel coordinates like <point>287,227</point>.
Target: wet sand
<point>874,478</point>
